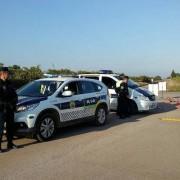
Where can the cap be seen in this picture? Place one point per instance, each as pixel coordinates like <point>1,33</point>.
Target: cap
<point>4,69</point>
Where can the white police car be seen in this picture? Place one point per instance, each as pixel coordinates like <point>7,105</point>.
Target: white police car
<point>50,103</point>
<point>140,98</point>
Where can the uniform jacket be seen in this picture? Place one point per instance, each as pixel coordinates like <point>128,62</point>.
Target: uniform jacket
<point>8,96</point>
<point>122,90</point>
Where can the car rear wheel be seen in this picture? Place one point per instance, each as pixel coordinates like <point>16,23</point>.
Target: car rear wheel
<point>45,127</point>
<point>101,115</point>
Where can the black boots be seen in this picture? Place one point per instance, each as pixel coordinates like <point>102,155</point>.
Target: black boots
<point>11,146</point>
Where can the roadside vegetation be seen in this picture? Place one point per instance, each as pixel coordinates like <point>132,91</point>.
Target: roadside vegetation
<point>173,83</point>
<point>22,75</point>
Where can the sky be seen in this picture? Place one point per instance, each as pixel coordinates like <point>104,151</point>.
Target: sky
<point>136,37</point>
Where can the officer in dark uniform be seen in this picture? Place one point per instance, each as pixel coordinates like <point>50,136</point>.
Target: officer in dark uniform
<point>8,100</point>
<point>123,98</point>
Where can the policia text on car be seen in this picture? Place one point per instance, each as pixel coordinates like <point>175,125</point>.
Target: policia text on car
<point>8,100</point>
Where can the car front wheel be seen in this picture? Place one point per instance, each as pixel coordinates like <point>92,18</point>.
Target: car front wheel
<point>45,127</point>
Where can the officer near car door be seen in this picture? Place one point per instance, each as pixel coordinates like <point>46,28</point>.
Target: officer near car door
<point>8,100</point>
<point>123,98</point>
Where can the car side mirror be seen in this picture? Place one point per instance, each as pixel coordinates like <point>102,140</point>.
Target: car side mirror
<point>67,94</point>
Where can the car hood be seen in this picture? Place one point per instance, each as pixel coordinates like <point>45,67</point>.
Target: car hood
<point>22,100</point>
<point>144,91</point>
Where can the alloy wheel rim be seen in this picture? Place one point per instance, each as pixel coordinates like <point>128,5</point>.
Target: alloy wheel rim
<point>101,116</point>
<point>47,127</point>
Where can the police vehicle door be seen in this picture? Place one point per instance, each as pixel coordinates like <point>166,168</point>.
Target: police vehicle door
<point>72,107</point>
<point>111,84</point>
<point>91,97</point>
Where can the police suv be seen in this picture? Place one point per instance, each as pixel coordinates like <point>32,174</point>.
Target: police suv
<point>50,103</point>
<point>140,98</point>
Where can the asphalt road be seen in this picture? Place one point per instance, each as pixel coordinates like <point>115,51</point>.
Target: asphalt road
<point>142,147</point>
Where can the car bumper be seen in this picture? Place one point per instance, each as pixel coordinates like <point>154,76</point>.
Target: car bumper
<point>148,105</point>
<point>21,129</point>
<point>28,119</point>
<point>25,124</point>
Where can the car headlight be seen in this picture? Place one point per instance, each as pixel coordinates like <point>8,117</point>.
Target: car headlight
<point>26,107</point>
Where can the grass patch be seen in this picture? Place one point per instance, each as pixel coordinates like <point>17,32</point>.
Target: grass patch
<point>173,84</point>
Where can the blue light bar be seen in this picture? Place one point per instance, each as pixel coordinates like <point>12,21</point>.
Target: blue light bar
<point>106,72</point>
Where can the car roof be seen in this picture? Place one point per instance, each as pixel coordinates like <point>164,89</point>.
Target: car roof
<point>67,79</point>
<point>98,74</point>
<point>57,79</point>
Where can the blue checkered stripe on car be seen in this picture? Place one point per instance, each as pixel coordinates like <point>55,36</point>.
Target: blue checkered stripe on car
<point>82,103</point>
<point>79,109</point>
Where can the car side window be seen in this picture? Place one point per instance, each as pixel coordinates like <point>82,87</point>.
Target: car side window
<point>97,87</point>
<point>72,86</point>
<point>109,82</point>
<point>88,87</point>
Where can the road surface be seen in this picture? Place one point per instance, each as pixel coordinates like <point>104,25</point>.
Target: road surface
<point>142,147</point>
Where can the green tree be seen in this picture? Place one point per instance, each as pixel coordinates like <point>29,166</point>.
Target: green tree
<point>173,74</point>
<point>25,73</point>
<point>61,72</point>
<point>16,67</point>
<point>34,72</point>
<point>87,72</point>
<point>157,78</point>
<point>145,79</point>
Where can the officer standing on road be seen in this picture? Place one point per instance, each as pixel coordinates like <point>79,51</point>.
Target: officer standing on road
<point>8,99</point>
<point>123,98</point>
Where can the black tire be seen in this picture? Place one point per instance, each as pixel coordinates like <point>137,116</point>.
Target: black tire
<point>101,115</point>
<point>133,107</point>
<point>46,127</point>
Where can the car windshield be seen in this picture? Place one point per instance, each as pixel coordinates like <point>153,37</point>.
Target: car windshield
<point>39,88</point>
<point>131,83</point>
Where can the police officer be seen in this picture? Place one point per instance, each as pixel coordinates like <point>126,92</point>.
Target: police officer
<point>123,98</point>
<point>8,99</point>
